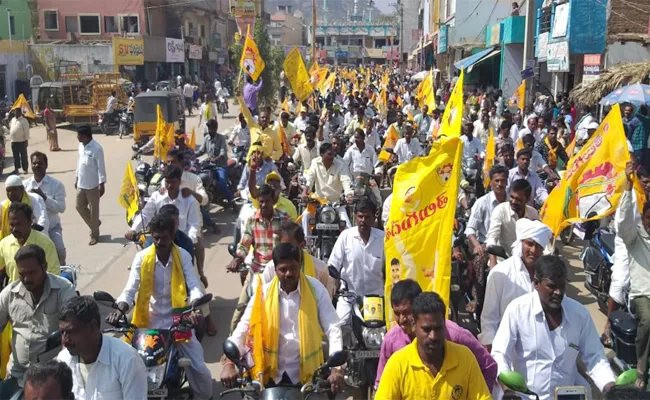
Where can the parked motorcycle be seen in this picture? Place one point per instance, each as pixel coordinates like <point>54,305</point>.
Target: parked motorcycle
<point>252,390</point>
<point>597,260</point>
<point>126,122</point>
<point>368,328</point>
<point>156,347</point>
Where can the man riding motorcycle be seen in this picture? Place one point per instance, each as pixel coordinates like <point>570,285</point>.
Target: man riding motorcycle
<point>216,148</point>
<point>361,159</point>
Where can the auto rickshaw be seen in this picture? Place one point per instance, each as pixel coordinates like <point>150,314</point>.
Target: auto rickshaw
<point>145,115</point>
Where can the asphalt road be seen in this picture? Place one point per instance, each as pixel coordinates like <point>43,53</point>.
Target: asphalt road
<point>104,266</point>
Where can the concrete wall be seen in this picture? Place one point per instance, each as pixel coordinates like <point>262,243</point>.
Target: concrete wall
<point>473,17</point>
<point>628,52</point>
<point>625,17</point>
<point>511,63</point>
<point>22,20</point>
<point>48,60</point>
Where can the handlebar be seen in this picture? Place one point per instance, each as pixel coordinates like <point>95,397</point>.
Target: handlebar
<point>248,387</point>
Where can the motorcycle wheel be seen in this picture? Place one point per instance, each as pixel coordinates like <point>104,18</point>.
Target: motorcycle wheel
<point>102,127</point>
<point>567,235</point>
<point>122,129</point>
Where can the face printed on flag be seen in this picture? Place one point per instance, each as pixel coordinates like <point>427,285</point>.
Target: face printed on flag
<point>250,61</point>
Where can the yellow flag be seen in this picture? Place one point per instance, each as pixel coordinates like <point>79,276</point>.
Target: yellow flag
<point>594,181</point>
<point>284,142</point>
<point>255,339</point>
<point>571,147</point>
<point>380,102</point>
<point>421,219</point>
<point>398,100</point>
<point>451,124</point>
<point>392,136</point>
<point>129,193</point>
<point>251,60</point>
<point>296,73</point>
<point>191,142</point>
<point>328,84</point>
<point>285,104</point>
<point>519,97</point>
<point>22,103</point>
<point>317,75</point>
<point>490,155</point>
<point>518,145</point>
<point>162,140</point>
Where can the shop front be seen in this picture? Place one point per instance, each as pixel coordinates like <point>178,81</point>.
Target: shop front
<point>128,58</point>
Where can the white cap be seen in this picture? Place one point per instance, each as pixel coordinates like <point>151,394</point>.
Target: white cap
<point>593,125</point>
<point>13,181</point>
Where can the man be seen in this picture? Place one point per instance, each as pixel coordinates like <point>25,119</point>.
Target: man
<point>111,104</point>
<point>478,227</point>
<point>508,156</point>
<point>544,333</point>
<point>274,180</point>
<point>29,304</point>
<point>359,256</point>
<point>402,296</point>
<point>552,150</point>
<point>264,166</point>
<point>432,367</point>
<point>102,366</point>
<point>240,136</point>
<point>399,124</point>
<point>250,94</point>
<point>288,127</point>
<point>634,131</point>
<point>502,230</point>
<point>90,177</point>
<point>522,171</point>
<point>338,148</point>
<point>216,148</point>
<point>530,129</point>
<point>333,122</point>
<point>515,128</point>
<point>16,193</point>
<point>514,276</point>
<point>291,232</point>
<point>269,137</point>
<point>495,118</point>
<point>585,119</point>
<point>19,137</point>
<point>330,179</point>
<point>361,161</point>
<point>51,380</point>
<point>188,94</point>
<point>207,113</point>
<point>356,123</point>
<point>306,152</point>
<point>19,217</point>
<point>502,138</point>
<point>302,121</point>
<point>165,262</point>
<point>423,121</point>
<point>406,147</point>
<point>482,128</point>
<point>472,146</point>
<point>52,191</point>
<point>299,312</point>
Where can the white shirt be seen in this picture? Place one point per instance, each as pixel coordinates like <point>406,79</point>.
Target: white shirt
<point>621,257</point>
<point>329,183</point>
<point>514,133</point>
<point>188,90</point>
<point>372,140</point>
<point>241,136</point>
<point>547,359</point>
<point>471,149</point>
<point>479,218</point>
<point>18,130</point>
<point>527,131</point>
<point>502,225</point>
<point>539,194</point>
<point>55,192</point>
<point>360,161</point>
<point>407,151</point>
<point>110,104</point>
<point>301,123</point>
<point>304,155</point>
<point>189,219</point>
<point>117,374</point>
<point>38,210</point>
<point>385,210</point>
<point>537,162</point>
<point>193,182</point>
<point>160,306</point>
<point>481,132</point>
<point>506,281</point>
<point>361,265</point>
<point>289,340</point>
<point>91,170</point>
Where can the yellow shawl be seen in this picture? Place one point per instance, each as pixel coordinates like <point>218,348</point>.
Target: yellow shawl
<point>308,264</point>
<point>5,214</point>
<point>179,291</point>
<point>552,153</point>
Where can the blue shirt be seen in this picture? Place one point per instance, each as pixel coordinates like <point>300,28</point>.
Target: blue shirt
<point>260,178</point>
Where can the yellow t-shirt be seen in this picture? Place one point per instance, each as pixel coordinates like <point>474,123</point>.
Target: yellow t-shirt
<point>9,246</point>
<point>282,204</point>
<point>407,378</point>
<point>270,142</point>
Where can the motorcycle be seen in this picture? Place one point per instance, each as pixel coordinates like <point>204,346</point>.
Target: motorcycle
<point>222,103</point>
<point>597,260</point>
<point>325,226</point>
<point>251,389</point>
<point>149,179</point>
<point>126,123</point>
<point>462,281</point>
<point>109,123</point>
<point>156,347</point>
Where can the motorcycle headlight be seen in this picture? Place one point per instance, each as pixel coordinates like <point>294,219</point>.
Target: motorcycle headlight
<point>155,376</point>
<point>327,216</point>
<point>373,337</point>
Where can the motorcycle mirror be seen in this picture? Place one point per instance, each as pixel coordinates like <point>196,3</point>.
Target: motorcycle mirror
<point>104,297</point>
<point>231,351</point>
<point>334,273</point>
<point>337,359</point>
<point>232,249</point>
<point>497,251</point>
<point>53,341</point>
<point>513,380</point>
<point>201,301</point>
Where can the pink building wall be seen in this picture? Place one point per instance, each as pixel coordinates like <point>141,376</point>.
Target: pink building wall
<point>103,8</point>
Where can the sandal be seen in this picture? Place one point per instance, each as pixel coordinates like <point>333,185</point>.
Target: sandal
<point>641,380</point>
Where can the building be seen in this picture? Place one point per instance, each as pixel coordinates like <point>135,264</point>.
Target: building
<point>15,33</point>
<point>287,28</point>
<point>627,32</point>
<point>356,42</point>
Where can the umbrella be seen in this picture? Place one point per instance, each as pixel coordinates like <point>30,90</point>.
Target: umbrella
<point>419,76</point>
<point>636,94</point>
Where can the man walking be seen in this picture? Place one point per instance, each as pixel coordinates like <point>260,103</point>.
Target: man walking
<point>19,135</point>
<point>90,178</point>
<point>188,94</point>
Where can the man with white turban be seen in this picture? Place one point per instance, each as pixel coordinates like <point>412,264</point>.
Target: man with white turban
<point>513,277</point>
<point>16,193</point>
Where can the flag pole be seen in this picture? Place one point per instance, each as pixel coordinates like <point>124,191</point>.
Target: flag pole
<point>248,32</point>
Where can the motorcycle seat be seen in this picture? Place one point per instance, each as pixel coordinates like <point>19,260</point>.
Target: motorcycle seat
<point>607,240</point>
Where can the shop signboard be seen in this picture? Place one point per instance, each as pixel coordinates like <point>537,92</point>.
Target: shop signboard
<point>542,46</point>
<point>557,57</point>
<point>245,8</point>
<point>128,51</point>
<point>175,50</point>
<point>195,52</point>
<point>495,34</point>
<point>341,54</point>
<point>442,39</point>
<point>591,70</point>
<point>561,20</point>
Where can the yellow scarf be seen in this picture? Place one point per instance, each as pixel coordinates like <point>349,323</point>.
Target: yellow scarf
<point>552,153</point>
<point>5,214</point>
<point>310,333</point>
<point>308,264</point>
<point>207,114</point>
<point>179,291</point>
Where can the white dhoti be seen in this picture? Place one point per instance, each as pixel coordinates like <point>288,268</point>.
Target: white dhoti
<point>198,374</point>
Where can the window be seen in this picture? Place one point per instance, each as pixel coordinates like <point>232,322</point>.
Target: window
<point>379,43</point>
<point>50,20</point>
<point>110,25</point>
<point>203,31</point>
<point>71,25</point>
<point>130,23</point>
<point>12,25</point>
<point>190,29</point>
<point>545,17</point>
<point>89,24</point>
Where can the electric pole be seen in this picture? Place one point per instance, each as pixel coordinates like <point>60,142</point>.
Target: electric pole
<point>313,32</point>
<point>529,40</point>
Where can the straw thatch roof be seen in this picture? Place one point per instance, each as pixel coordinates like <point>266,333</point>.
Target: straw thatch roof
<point>610,80</point>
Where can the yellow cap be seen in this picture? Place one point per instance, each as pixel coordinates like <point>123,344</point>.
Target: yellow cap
<point>272,176</point>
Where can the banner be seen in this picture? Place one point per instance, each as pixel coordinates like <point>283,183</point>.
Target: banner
<point>163,139</point>
<point>251,60</point>
<point>422,219</point>
<point>128,51</point>
<point>451,124</point>
<point>129,192</point>
<point>21,102</point>
<point>518,99</point>
<point>175,50</point>
<point>195,52</point>
<point>594,181</point>
<point>245,24</point>
<point>245,8</point>
<point>294,69</point>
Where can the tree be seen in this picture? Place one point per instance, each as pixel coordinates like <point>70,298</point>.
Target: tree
<point>273,57</point>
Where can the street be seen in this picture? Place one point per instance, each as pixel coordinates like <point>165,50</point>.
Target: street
<point>104,266</point>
